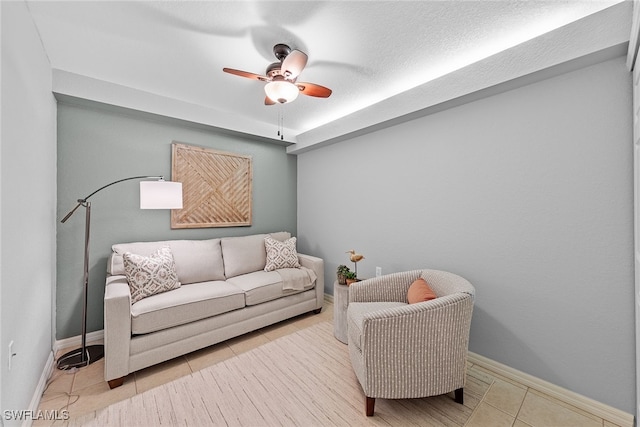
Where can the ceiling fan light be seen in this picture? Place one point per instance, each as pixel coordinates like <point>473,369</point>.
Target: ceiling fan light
<point>281,91</point>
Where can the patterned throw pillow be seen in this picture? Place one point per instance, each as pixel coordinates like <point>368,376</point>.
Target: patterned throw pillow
<point>281,254</point>
<point>150,275</point>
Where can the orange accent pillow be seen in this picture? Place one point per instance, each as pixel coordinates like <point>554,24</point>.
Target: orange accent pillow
<point>420,291</point>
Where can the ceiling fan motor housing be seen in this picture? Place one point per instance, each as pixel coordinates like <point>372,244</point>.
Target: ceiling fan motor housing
<point>274,69</point>
<point>281,51</point>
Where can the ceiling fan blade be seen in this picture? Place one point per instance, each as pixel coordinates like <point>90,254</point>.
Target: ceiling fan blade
<point>312,89</point>
<point>293,64</point>
<point>268,101</point>
<point>246,74</point>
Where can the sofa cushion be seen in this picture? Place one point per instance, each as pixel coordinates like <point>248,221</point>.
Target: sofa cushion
<point>280,254</point>
<point>246,254</point>
<point>196,260</point>
<point>356,313</point>
<point>184,305</point>
<point>150,275</point>
<point>281,236</point>
<point>242,255</point>
<point>262,286</point>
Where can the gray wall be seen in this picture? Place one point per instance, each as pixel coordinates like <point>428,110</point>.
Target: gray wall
<point>99,145</point>
<point>27,197</point>
<point>528,194</point>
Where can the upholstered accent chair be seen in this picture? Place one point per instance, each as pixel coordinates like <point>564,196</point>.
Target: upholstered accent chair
<point>400,350</point>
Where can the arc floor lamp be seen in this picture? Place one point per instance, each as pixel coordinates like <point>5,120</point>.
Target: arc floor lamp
<point>158,194</point>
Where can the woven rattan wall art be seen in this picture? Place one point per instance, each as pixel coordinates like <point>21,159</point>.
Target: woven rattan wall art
<point>216,187</point>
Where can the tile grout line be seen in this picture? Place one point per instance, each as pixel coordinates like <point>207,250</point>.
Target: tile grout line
<point>521,405</point>
<point>481,400</point>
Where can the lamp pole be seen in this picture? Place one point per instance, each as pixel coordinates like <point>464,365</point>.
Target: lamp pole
<point>88,354</point>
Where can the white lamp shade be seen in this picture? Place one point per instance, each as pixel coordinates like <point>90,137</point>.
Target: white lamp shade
<point>281,91</point>
<point>160,195</point>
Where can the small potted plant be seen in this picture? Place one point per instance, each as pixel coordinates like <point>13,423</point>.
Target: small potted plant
<point>342,271</point>
<point>351,277</point>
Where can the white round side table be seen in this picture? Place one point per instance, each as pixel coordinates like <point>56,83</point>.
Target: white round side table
<point>340,304</point>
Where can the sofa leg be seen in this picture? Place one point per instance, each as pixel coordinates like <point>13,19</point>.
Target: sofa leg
<point>369,405</point>
<point>459,396</point>
<point>317,311</point>
<point>116,383</point>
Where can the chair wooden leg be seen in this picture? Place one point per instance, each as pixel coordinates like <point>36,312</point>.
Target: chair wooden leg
<point>116,383</point>
<point>370,403</point>
<point>459,396</point>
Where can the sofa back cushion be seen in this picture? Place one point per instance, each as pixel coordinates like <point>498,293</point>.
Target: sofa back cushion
<point>196,260</point>
<point>246,254</point>
<point>243,255</point>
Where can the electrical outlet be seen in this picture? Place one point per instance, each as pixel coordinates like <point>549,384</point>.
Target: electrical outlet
<point>378,271</point>
<point>11,353</point>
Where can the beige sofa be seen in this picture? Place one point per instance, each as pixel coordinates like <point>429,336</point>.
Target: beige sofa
<point>224,292</point>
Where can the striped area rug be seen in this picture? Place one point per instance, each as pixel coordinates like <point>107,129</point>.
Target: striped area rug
<point>302,379</point>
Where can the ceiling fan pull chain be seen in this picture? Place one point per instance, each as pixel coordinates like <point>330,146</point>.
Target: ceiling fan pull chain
<point>281,123</point>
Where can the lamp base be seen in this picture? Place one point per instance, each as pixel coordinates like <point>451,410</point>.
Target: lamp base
<point>74,359</point>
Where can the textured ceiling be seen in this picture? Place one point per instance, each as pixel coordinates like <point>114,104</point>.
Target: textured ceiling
<point>366,51</point>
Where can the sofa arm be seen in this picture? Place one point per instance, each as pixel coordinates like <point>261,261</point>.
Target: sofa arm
<point>317,265</point>
<point>117,327</point>
<point>391,287</point>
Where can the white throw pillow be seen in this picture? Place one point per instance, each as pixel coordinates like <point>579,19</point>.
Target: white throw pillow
<point>150,275</point>
<point>281,254</point>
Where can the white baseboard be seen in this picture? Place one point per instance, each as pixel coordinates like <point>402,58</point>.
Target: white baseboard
<point>50,366</point>
<point>77,340</point>
<point>328,298</point>
<point>609,413</point>
<point>42,384</point>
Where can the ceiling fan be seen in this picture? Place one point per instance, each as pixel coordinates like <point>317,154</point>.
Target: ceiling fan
<point>281,77</point>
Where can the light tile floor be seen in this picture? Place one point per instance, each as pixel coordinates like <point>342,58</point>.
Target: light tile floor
<point>505,402</point>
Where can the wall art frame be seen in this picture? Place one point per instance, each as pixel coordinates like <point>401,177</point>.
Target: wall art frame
<point>216,187</point>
